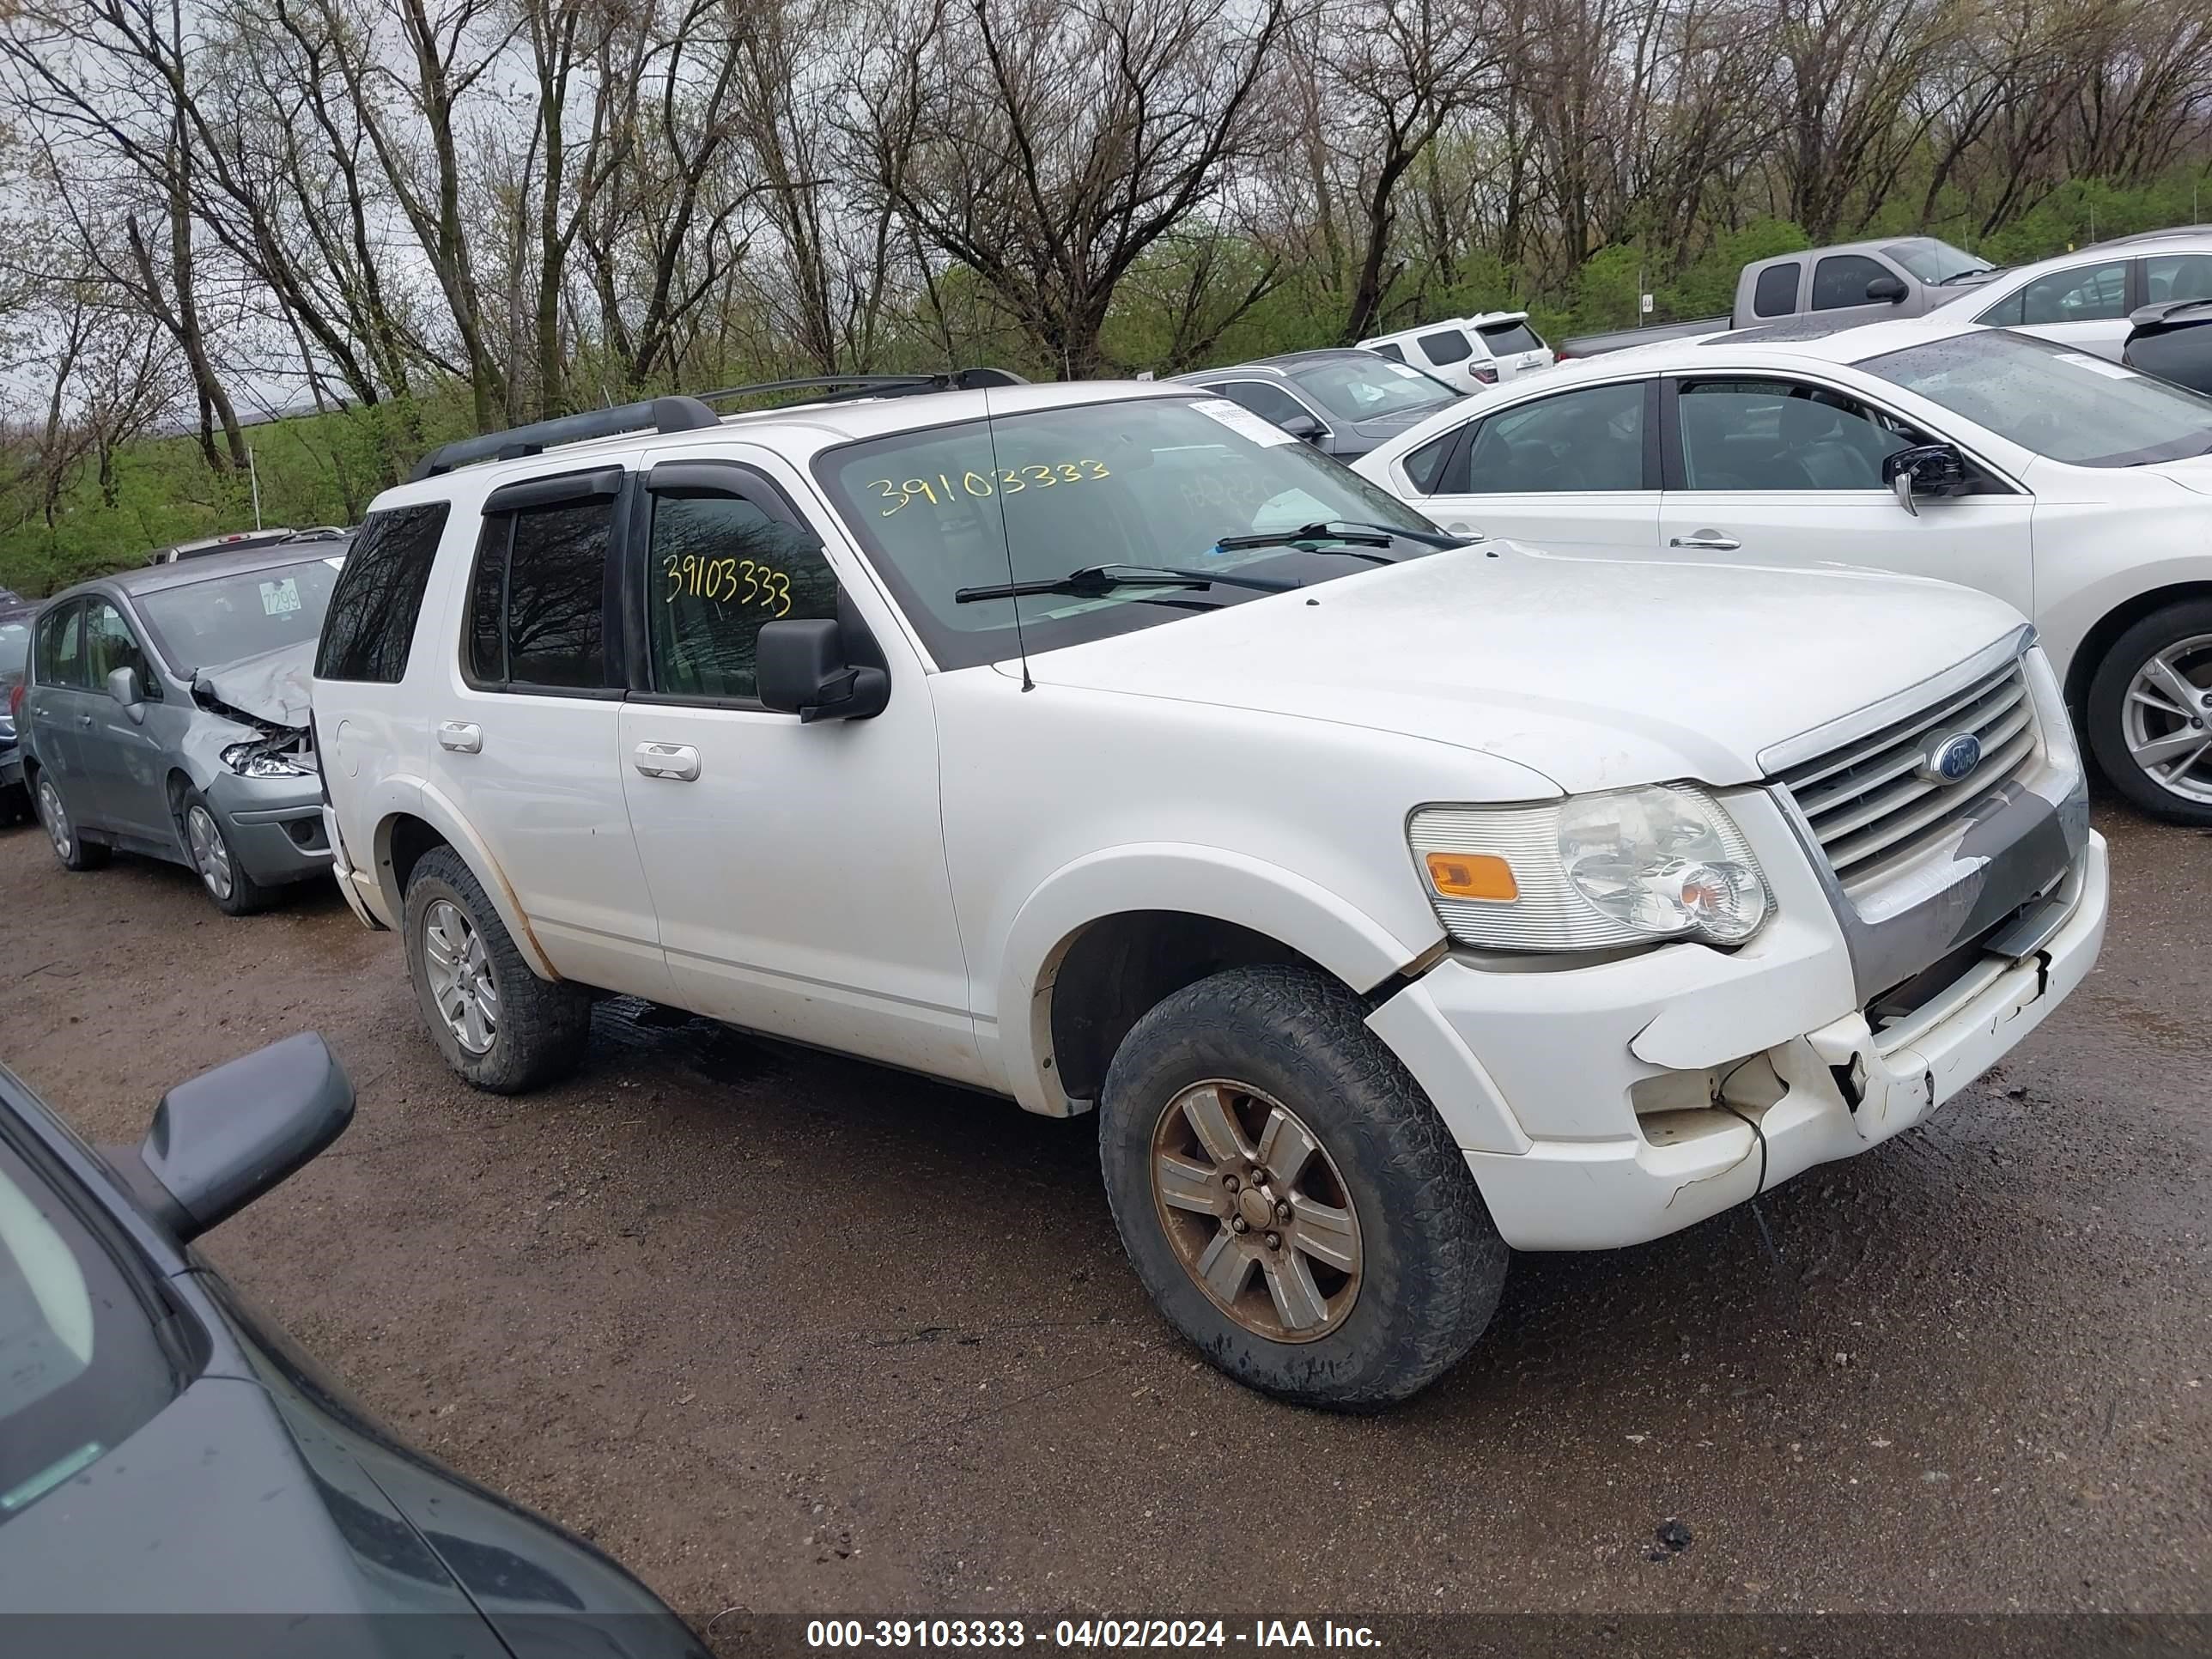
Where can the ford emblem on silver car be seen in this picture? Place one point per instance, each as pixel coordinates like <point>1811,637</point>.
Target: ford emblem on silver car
<point>1953,760</point>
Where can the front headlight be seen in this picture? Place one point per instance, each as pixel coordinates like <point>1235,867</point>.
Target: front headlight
<point>254,760</point>
<point>1591,872</point>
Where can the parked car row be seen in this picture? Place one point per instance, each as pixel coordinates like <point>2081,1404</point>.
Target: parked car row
<point>1113,749</point>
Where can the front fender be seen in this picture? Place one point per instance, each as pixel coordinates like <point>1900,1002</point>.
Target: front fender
<point>401,797</point>
<point>1195,880</point>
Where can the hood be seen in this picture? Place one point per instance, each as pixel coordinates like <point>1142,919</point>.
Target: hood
<point>1385,426</point>
<point>2194,473</point>
<point>1596,674</point>
<point>271,686</point>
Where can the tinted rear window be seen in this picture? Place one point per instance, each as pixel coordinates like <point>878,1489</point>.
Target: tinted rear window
<point>1450,346</point>
<point>1502,338</point>
<point>370,626</point>
<point>1776,294</point>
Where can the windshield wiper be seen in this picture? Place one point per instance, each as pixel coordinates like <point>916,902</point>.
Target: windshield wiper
<point>1358,534</point>
<point>1097,581</point>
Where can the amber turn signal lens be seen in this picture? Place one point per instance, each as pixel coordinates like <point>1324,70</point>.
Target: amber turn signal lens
<point>1472,876</point>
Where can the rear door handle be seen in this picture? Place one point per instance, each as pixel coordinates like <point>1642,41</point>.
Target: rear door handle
<point>1712,540</point>
<point>677,761</point>
<point>85,720</point>
<point>462,736</point>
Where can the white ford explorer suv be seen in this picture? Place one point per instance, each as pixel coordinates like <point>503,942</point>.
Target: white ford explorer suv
<point>1392,901</point>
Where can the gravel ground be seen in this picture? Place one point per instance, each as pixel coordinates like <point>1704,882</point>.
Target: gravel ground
<point>794,1335</point>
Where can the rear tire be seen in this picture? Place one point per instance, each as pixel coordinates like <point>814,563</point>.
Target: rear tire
<point>499,1025</point>
<point>1302,1303</point>
<point>2137,720</point>
<point>70,845</point>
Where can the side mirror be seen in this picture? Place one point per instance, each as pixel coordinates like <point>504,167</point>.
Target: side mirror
<point>1925,470</point>
<point>222,1139</point>
<point>804,668</point>
<point>1304,429</point>
<point>1888,290</point>
<point>124,686</point>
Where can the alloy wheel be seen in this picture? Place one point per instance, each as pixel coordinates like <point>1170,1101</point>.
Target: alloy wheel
<point>56,819</point>
<point>210,853</point>
<point>1256,1211</point>
<point>2165,719</point>
<point>459,972</point>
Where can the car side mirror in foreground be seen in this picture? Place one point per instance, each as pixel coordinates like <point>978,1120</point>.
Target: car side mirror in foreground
<point>1887,290</point>
<point>229,1135</point>
<point>1303,428</point>
<point>1925,470</point>
<point>125,686</point>
<point>805,668</point>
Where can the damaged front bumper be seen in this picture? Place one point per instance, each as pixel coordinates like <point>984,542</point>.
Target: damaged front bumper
<point>1604,1104</point>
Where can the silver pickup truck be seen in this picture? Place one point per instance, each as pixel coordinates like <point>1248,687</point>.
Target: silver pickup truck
<point>1851,283</point>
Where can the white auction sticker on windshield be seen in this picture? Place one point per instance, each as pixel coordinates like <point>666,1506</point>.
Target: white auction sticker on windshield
<point>277,599</point>
<point>2104,366</point>
<point>1242,421</point>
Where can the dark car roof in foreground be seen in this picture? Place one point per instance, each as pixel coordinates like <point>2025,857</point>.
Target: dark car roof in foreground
<point>157,578</point>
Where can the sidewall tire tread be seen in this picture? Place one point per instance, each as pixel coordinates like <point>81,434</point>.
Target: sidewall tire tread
<point>2108,691</point>
<point>83,855</point>
<point>1432,1263</point>
<point>247,895</point>
<point>544,1028</point>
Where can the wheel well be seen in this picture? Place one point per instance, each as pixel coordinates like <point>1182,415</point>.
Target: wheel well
<point>1119,968</point>
<point>405,843</point>
<point>2099,640</point>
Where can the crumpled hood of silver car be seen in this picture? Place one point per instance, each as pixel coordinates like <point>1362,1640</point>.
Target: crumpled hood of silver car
<point>271,687</point>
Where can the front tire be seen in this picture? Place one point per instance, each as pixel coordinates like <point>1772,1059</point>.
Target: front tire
<point>499,1025</point>
<point>2150,713</point>
<point>70,845</point>
<point>1365,1264</point>
<point>235,893</point>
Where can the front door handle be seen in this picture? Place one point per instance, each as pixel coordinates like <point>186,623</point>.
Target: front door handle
<point>462,736</point>
<point>677,761</point>
<point>85,720</point>
<point>1712,540</point>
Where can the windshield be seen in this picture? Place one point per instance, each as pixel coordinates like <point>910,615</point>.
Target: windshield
<point>2069,405</point>
<point>15,650</point>
<point>79,1368</point>
<point>1151,482</point>
<point>1357,390</point>
<point>1932,261</point>
<point>207,623</point>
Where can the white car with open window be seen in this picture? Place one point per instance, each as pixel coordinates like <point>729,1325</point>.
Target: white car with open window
<point>1392,902</point>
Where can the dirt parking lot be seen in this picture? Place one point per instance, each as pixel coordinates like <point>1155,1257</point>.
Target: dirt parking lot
<point>793,1334</point>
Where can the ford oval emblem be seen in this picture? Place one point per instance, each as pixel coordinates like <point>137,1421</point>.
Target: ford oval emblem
<point>1953,760</point>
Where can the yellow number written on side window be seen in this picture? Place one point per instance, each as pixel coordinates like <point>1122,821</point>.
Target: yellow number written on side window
<point>943,490</point>
<point>728,581</point>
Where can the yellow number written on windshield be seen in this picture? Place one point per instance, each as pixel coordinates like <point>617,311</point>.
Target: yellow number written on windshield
<point>943,490</point>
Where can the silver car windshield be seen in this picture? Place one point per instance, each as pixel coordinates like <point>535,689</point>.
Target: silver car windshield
<point>1352,390</point>
<point>2069,405</point>
<point>224,619</point>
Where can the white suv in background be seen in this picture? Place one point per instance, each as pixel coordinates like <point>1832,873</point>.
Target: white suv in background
<point>1392,901</point>
<point>2076,490</point>
<point>1469,353</point>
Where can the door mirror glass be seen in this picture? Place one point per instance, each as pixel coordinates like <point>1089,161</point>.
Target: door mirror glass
<point>227,1136</point>
<point>1887,290</point>
<point>123,685</point>
<point>1925,470</point>
<point>805,668</point>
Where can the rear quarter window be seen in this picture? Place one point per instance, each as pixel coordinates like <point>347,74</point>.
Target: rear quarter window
<point>1775,293</point>
<point>1446,346</point>
<point>370,627</point>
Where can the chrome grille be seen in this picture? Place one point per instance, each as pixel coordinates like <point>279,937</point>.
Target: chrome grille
<point>1866,801</point>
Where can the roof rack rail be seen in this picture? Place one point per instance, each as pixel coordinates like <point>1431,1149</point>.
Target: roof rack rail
<point>876,385</point>
<point>663,415</point>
